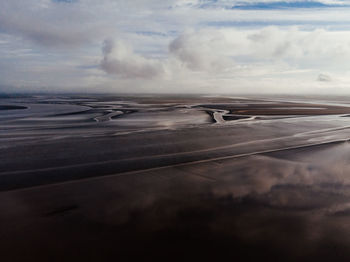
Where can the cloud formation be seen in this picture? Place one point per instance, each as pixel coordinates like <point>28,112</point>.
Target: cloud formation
<point>47,23</point>
<point>200,51</point>
<point>176,45</point>
<point>324,78</point>
<point>120,60</point>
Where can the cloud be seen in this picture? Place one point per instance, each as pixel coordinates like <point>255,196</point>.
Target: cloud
<point>300,46</point>
<point>200,50</point>
<point>119,59</point>
<point>324,78</point>
<point>177,45</point>
<point>231,49</point>
<point>51,23</point>
<point>189,52</point>
<point>270,59</point>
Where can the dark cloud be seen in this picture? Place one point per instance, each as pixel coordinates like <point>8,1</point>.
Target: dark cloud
<point>324,78</point>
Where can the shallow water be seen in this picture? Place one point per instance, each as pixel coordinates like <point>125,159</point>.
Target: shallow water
<point>164,181</point>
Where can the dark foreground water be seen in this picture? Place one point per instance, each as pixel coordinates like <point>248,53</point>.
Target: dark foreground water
<point>174,179</point>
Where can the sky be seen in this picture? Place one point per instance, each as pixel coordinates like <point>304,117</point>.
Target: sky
<point>175,46</point>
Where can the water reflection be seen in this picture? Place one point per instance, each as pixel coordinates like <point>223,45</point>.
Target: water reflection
<point>287,205</point>
<point>261,207</point>
<point>257,207</point>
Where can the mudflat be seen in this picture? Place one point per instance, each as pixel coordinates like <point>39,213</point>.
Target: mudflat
<point>170,178</point>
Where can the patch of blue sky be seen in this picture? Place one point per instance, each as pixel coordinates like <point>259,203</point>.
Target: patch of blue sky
<point>284,5</point>
<point>269,5</point>
<point>88,67</point>
<point>264,23</point>
<point>64,1</point>
<point>152,33</point>
<point>209,3</point>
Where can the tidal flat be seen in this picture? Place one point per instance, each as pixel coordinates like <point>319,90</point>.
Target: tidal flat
<point>174,178</point>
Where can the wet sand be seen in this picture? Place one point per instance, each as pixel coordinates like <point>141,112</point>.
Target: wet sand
<point>156,178</point>
<point>11,107</point>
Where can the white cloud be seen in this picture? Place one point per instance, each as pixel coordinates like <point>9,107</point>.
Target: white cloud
<point>201,51</point>
<point>45,22</point>
<point>120,60</point>
<point>172,45</point>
